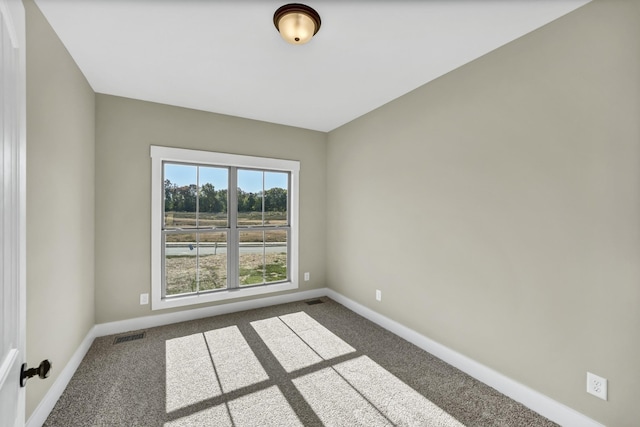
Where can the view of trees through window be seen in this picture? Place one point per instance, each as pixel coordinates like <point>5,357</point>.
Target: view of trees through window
<point>197,227</point>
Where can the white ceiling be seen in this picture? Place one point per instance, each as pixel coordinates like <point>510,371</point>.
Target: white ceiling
<point>227,57</point>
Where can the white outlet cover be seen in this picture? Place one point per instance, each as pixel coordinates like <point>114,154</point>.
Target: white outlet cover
<point>378,295</point>
<point>597,386</point>
<point>306,277</point>
<point>144,299</point>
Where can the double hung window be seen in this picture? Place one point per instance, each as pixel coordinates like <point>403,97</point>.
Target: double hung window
<point>223,226</point>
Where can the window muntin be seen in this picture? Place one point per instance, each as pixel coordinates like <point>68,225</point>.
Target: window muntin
<point>210,240</point>
<point>263,222</point>
<point>263,256</point>
<point>194,262</point>
<point>195,199</point>
<point>262,198</point>
<point>195,196</point>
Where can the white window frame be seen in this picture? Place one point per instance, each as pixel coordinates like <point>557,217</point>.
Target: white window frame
<point>159,155</point>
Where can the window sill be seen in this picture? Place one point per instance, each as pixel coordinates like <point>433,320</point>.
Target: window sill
<point>158,303</point>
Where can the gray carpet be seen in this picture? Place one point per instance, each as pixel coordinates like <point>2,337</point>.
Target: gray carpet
<point>288,365</point>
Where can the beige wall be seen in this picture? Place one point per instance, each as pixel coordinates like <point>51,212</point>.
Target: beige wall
<point>60,203</point>
<point>125,129</point>
<point>498,209</point>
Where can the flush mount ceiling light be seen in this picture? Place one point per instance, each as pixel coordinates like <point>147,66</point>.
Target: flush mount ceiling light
<point>297,23</point>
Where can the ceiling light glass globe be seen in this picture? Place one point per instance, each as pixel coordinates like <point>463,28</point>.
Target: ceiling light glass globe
<point>296,28</point>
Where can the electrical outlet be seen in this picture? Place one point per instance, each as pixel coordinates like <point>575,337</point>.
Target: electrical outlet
<point>597,386</point>
<point>144,299</point>
<point>306,277</point>
<point>378,295</point>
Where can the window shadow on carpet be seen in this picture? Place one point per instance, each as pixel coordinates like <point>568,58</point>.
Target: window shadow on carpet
<point>219,369</point>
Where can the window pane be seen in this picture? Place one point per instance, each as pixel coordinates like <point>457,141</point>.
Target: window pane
<point>263,257</point>
<point>195,262</point>
<point>214,185</point>
<point>275,255</point>
<point>275,198</point>
<point>251,268</point>
<point>250,184</point>
<point>181,263</point>
<point>212,261</point>
<point>180,185</point>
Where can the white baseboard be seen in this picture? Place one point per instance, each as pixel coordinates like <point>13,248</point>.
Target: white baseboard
<point>538,402</point>
<point>145,322</point>
<point>44,408</point>
<point>532,399</point>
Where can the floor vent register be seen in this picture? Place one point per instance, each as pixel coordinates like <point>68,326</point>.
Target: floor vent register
<point>130,337</point>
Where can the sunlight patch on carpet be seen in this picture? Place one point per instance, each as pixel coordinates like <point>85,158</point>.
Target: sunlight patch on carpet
<point>396,400</point>
<point>299,341</point>
<point>291,351</point>
<point>190,377</point>
<point>236,364</point>
<point>265,408</point>
<point>354,392</point>
<point>324,342</point>
<point>336,402</point>
<point>214,416</point>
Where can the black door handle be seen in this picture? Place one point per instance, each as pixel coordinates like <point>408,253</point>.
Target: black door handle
<point>42,371</point>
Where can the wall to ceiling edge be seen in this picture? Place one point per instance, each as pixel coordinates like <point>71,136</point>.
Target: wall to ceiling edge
<point>88,201</point>
<point>494,207</point>
<point>497,208</point>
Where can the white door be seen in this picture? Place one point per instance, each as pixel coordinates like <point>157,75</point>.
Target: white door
<point>12,212</point>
